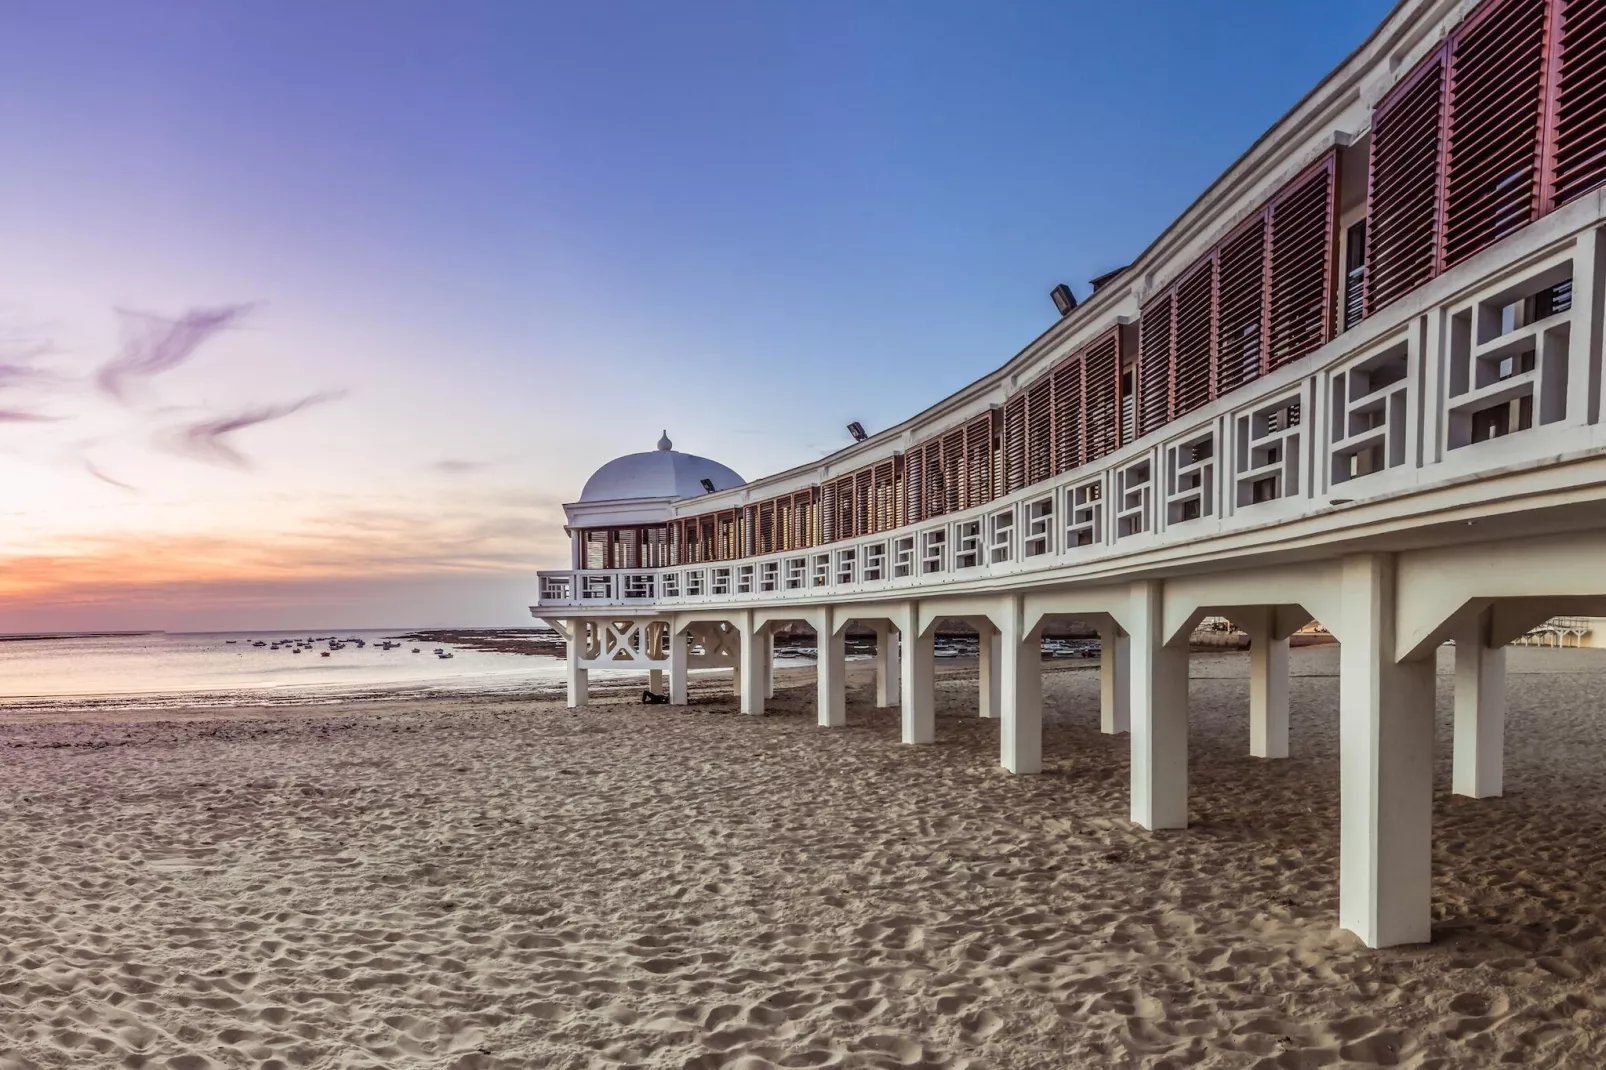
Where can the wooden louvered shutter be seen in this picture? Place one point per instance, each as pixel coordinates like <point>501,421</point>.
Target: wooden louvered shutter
<point>1039,430</point>
<point>978,477</point>
<point>1068,414</point>
<point>1154,363</point>
<point>935,498</point>
<point>846,508</point>
<point>1494,123</point>
<point>1579,153</point>
<point>861,501</point>
<point>1101,392</point>
<point>1302,220</point>
<point>1193,368</point>
<point>1403,194</point>
<point>914,486</point>
<point>953,449</point>
<point>828,513</point>
<point>1015,442</point>
<point>1241,306</point>
<point>883,504</point>
<point>766,527</point>
<point>812,533</point>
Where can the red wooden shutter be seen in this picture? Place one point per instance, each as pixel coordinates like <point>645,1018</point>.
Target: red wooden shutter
<point>766,527</point>
<point>952,446</point>
<point>1015,442</point>
<point>978,461</point>
<point>862,480</point>
<point>914,485</point>
<point>1494,120</point>
<point>1193,343</point>
<point>1403,193</point>
<point>1101,394</point>
<point>812,535</point>
<point>1580,102</point>
<point>1154,363</point>
<point>1301,297</point>
<point>1068,414</point>
<point>1039,430</point>
<point>1241,306</point>
<point>828,512</point>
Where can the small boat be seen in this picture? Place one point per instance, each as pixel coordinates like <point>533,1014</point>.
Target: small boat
<point>443,657</point>
<point>231,641</point>
<point>415,650</point>
<point>297,650</point>
<point>325,654</point>
<point>440,650</point>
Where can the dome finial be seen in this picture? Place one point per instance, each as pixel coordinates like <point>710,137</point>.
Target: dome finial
<point>664,443</point>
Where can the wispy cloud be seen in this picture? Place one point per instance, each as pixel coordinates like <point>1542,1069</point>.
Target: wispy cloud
<point>94,470</point>
<point>154,344</point>
<point>23,416</point>
<point>456,466</point>
<point>207,440</point>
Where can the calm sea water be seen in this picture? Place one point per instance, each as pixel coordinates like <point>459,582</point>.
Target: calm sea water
<point>183,670</point>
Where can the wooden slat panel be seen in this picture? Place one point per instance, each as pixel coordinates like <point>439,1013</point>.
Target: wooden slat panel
<point>1580,103</point>
<point>1101,393</point>
<point>1154,363</point>
<point>977,478</point>
<point>1039,430</point>
<point>1495,110</point>
<point>1015,442</point>
<point>1300,302</point>
<point>952,449</point>
<point>1067,381</point>
<point>1241,306</point>
<point>1403,193</point>
<point>1193,344</point>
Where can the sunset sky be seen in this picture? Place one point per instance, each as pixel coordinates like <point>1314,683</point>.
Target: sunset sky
<point>443,260</point>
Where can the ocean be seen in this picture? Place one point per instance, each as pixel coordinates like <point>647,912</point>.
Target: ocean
<point>160,669</point>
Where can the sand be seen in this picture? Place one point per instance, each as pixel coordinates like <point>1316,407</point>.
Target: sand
<point>495,882</point>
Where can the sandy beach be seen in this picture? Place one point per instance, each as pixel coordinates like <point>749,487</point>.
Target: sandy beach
<point>497,882</point>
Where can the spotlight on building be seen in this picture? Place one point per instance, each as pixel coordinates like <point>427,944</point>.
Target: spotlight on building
<point>856,429</point>
<point>708,485</point>
<point>1064,300</point>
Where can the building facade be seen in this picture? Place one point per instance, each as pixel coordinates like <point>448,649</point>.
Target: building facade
<point>1358,382</point>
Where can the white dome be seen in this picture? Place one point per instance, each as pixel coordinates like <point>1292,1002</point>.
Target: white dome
<point>663,473</point>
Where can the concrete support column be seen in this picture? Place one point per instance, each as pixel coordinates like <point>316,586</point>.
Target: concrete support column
<point>1385,715</point>
<point>831,680</point>
<point>579,678</point>
<point>1268,687</point>
<point>1020,684</point>
<point>989,647</point>
<point>751,677</point>
<point>919,682</point>
<point>678,674</point>
<point>1159,714</point>
<point>769,663</point>
<point>888,667</point>
<point>1480,712</point>
<point>1115,681</point>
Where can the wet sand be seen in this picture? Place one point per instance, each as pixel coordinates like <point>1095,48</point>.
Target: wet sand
<point>496,882</point>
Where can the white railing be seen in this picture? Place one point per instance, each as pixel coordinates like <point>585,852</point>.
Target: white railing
<point>1473,373</point>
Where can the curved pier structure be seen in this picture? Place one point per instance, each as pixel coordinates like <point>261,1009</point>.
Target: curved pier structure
<point>1358,382</point>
